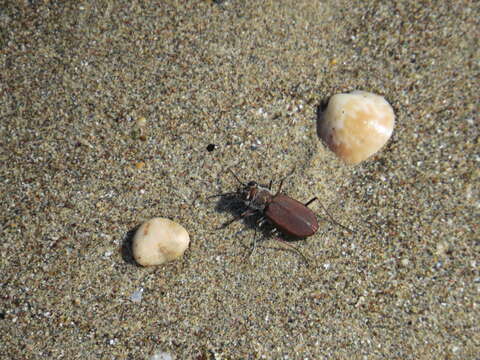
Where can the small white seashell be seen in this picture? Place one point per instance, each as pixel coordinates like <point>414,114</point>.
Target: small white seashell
<point>159,240</point>
<point>356,125</point>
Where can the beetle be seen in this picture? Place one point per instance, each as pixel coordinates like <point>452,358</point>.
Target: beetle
<point>287,215</point>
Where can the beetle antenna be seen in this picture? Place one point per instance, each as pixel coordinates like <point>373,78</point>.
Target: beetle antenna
<point>294,248</point>
<point>236,177</point>
<point>283,179</point>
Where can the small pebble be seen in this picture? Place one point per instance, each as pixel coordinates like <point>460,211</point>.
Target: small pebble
<point>141,122</point>
<point>136,297</point>
<point>161,355</point>
<point>141,125</point>
<point>356,125</point>
<point>159,240</point>
<point>140,165</point>
<point>211,147</point>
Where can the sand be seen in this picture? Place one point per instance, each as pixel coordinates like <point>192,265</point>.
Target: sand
<point>78,176</point>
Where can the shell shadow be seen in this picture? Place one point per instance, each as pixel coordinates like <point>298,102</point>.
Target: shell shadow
<point>320,111</point>
<point>126,250</point>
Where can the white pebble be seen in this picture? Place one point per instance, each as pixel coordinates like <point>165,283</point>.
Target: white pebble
<point>356,125</point>
<point>159,240</point>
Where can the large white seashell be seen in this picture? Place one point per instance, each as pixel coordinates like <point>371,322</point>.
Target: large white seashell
<point>159,240</point>
<point>356,125</point>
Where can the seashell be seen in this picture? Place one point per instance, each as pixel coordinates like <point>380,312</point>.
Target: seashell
<point>356,125</point>
<point>159,240</point>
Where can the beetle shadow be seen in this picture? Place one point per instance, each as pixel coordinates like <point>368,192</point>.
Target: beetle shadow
<point>126,249</point>
<point>235,207</point>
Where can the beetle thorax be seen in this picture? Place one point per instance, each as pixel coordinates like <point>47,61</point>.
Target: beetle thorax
<point>257,197</point>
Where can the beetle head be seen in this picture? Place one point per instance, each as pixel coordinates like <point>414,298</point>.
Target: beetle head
<point>249,191</point>
<point>255,196</point>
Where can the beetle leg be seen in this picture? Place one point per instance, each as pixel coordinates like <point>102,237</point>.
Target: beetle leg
<point>246,213</point>
<point>331,217</point>
<point>310,201</point>
<point>260,222</point>
<point>294,248</point>
<point>254,243</point>
<point>278,238</point>
<point>280,187</point>
<point>274,232</point>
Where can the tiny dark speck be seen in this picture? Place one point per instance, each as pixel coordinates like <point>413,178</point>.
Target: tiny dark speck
<point>2,315</point>
<point>211,147</point>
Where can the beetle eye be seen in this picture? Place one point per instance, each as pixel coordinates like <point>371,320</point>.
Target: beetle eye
<point>252,184</point>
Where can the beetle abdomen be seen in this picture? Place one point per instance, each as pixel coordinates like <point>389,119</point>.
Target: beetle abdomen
<point>291,216</point>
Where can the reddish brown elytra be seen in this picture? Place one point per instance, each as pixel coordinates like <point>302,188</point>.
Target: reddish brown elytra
<point>291,217</point>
